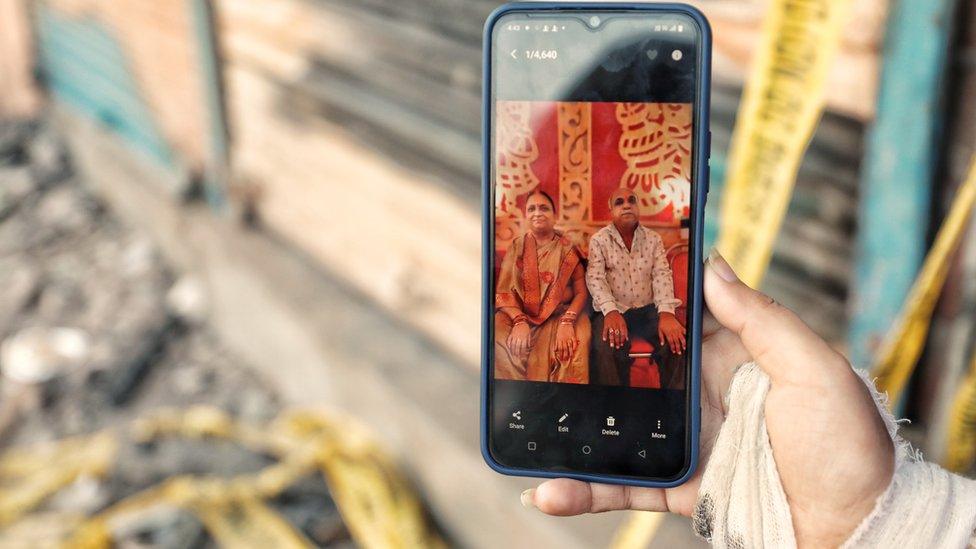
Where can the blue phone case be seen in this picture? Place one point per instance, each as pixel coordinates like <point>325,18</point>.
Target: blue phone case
<point>696,264</point>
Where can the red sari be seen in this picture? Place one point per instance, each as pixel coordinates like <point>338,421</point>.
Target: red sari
<point>537,279</point>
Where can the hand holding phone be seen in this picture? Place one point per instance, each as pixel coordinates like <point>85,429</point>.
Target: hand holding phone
<point>817,407</point>
<point>596,172</point>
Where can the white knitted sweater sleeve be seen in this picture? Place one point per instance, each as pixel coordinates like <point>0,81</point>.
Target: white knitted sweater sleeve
<point>741,501</point>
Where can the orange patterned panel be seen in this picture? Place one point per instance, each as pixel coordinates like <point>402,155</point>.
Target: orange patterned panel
<point>656,144</point>
<point>515,151</point>
<point>575,162</point>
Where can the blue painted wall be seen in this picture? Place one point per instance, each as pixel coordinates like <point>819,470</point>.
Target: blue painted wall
<point>899,164</point>
<point>85,67</point>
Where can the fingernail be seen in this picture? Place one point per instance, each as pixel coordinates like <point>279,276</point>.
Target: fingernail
<point>721,266</point>
<point>527,498</point>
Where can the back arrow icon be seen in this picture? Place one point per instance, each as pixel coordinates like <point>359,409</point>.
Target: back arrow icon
<point>513,54</point>
<point>642,453</point>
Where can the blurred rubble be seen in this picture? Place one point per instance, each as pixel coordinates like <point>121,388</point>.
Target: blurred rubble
<point>96,330</point>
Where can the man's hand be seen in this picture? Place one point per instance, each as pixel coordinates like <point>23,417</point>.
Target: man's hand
<point>670,331</point>
<point>832,450</point>
<point>519,338</point>
<point>615,329</point>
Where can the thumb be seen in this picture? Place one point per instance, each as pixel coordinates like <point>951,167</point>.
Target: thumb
<point>780,343</point>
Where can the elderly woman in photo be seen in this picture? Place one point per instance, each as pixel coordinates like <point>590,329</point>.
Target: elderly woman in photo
<point>540,334</point>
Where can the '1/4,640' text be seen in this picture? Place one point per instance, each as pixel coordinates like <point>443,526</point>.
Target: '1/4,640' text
<point>541,54</point>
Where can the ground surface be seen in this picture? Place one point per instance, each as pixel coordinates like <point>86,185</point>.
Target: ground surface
<point>67,262</point>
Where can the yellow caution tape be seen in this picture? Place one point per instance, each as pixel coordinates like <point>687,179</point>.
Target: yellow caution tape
<point>377,504</point>
<point>638,531</point>
<point>41,530</point>
<point>961,443</point>
<point>780,108</point>
<point>903,344</point>
<point>247,523</point>
<point>29,476</point>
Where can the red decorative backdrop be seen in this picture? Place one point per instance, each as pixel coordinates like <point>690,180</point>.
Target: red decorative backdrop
<point>579,153</point>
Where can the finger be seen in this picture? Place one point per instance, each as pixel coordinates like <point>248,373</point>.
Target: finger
<point>566,497</point>
<point>709,324</point>
<point>606,331</point>
<point>675,346</point>
<point>783,346</point>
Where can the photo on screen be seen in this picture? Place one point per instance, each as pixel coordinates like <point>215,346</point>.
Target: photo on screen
<point>592,206</point>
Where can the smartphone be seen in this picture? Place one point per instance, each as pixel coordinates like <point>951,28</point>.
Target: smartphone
<point>596,145</point>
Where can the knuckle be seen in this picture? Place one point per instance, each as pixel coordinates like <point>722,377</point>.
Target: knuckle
<point>769,307</point>
<point>765,301</point>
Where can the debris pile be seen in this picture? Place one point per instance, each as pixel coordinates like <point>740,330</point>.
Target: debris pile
<point>95,332</point>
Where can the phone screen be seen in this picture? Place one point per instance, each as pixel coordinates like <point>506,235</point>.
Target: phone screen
<point>592,178</point>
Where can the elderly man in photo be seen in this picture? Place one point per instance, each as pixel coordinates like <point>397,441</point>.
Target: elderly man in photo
<point>633,294</point>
